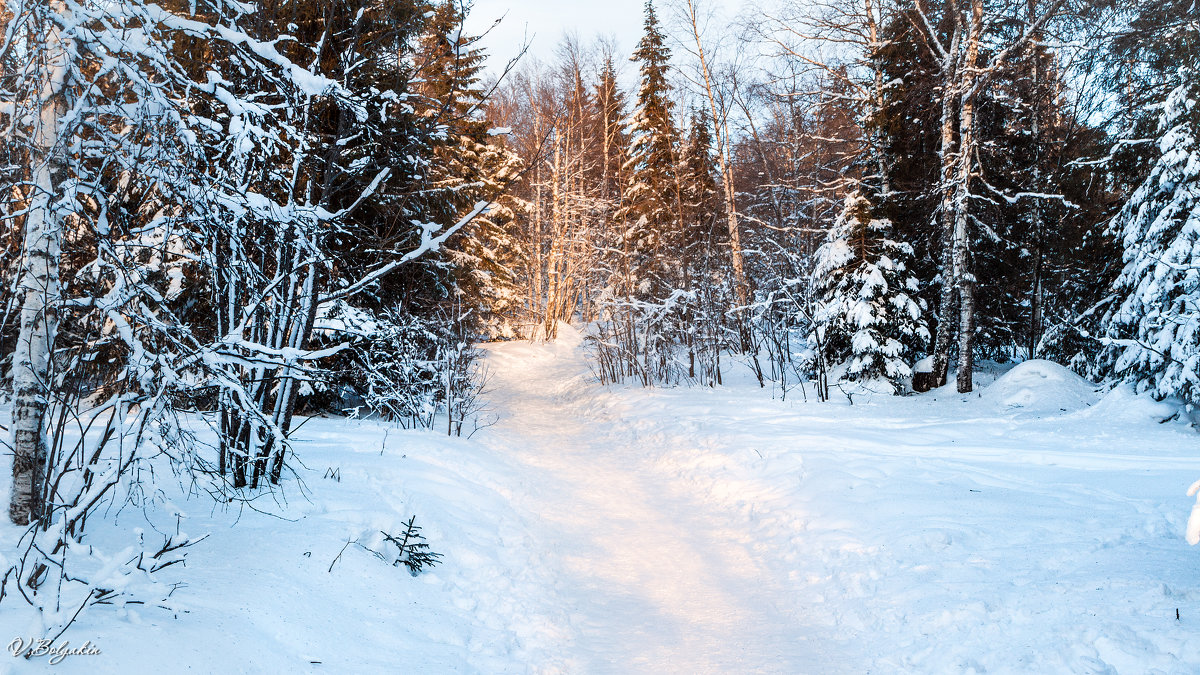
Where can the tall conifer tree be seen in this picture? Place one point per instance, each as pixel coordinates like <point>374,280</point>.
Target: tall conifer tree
<point>650,196</point>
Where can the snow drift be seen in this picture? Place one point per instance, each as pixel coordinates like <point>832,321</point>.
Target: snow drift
<point>1041,387</point>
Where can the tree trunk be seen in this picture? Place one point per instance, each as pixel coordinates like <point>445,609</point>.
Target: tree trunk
<point>962,205</point>
<point>962,255</point>
<point>557,228</point>
<point>945,327</point>
<point>721,131</point>
<point>286,404</point>
<point>39,290</point>
<point>1035,293</point>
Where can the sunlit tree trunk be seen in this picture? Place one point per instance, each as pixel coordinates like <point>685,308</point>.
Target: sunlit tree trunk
<point>39,286</point>
<point>721,130</point>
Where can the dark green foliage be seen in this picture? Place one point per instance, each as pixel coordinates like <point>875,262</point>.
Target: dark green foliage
<point>650,195</point>
<point>1039,254</point>
<point>411,549</point>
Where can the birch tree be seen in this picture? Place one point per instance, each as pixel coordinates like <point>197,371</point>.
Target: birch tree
<point>39,110</point>
<point>112,125</point>
<point>964,73</point>
<point>719,108</point>
<point>184,181</point>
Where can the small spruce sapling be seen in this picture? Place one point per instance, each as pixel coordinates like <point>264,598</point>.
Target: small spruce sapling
<point>413,552</point>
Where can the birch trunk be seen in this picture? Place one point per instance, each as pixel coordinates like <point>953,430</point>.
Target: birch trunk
<point>39,288</point>
<point>721,130</point>
<point>962,80</point>
<point>962,205</point>
<point>945,328</point>
<point>1036,224</point>
<point>552,272</point>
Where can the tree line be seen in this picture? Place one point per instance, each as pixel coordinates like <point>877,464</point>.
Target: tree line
<point>846,191</point>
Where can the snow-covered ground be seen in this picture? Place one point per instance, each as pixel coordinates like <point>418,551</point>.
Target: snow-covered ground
<point>1033,527</point>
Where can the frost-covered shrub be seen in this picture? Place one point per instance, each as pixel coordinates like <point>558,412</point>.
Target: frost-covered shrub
<point>418,372</point>
<point>675,340</point>
<point>781,323</point>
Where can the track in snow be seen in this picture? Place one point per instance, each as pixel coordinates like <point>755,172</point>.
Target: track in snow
<point>654,578</point>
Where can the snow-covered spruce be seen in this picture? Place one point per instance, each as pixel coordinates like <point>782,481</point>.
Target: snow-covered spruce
<point>1154,331</point>
<point>869,315</point>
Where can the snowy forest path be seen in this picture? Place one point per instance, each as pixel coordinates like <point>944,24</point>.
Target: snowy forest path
<point>652,576</point>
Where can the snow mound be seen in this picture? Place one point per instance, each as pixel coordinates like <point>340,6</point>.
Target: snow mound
<point>1126,406</point>
<point>1041,387</point>
<point>569,337</point>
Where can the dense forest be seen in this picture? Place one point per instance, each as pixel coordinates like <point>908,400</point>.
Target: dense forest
<point>881,187</point>
<point>219,217</point>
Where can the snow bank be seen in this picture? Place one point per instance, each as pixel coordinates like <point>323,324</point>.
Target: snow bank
<point>569,338</point>
<point>303,581</point>
<point>1125,406</point>
<point>1041,387</point>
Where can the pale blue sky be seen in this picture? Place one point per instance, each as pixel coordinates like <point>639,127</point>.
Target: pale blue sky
<point>546,21</point>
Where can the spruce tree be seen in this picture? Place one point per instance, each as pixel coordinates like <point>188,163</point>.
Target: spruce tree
<point>1040,261</point>
<point>473,164</point>
<point>612,152</point>
<point>609,103</point>
<point>1154,330</point>
<point>702,255</point>
<point>869,314</point>
<point>701,201</point>
<point>649,209</point>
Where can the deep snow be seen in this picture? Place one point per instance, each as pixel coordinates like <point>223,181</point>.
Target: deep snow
<point>621,530</point>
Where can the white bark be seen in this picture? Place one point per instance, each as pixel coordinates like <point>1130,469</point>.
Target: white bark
<point>941,349</point>
<point>962,80</point>
<point>721,130</point>
<point>962,206</point>
<point>39,286</point>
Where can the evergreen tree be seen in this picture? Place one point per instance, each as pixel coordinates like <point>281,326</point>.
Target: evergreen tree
<point>609,102</point>
<point>701,201</point>
<point>906,127</point>
<point>869,314</point>
<point>612,147</point>
<point>1034,244</point>
<point>1154,331</point>
<point>472,164</point>
<point>649,209</point>
<point>1040,257</point>
<point>488,255</point>
<point>703,253</point>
